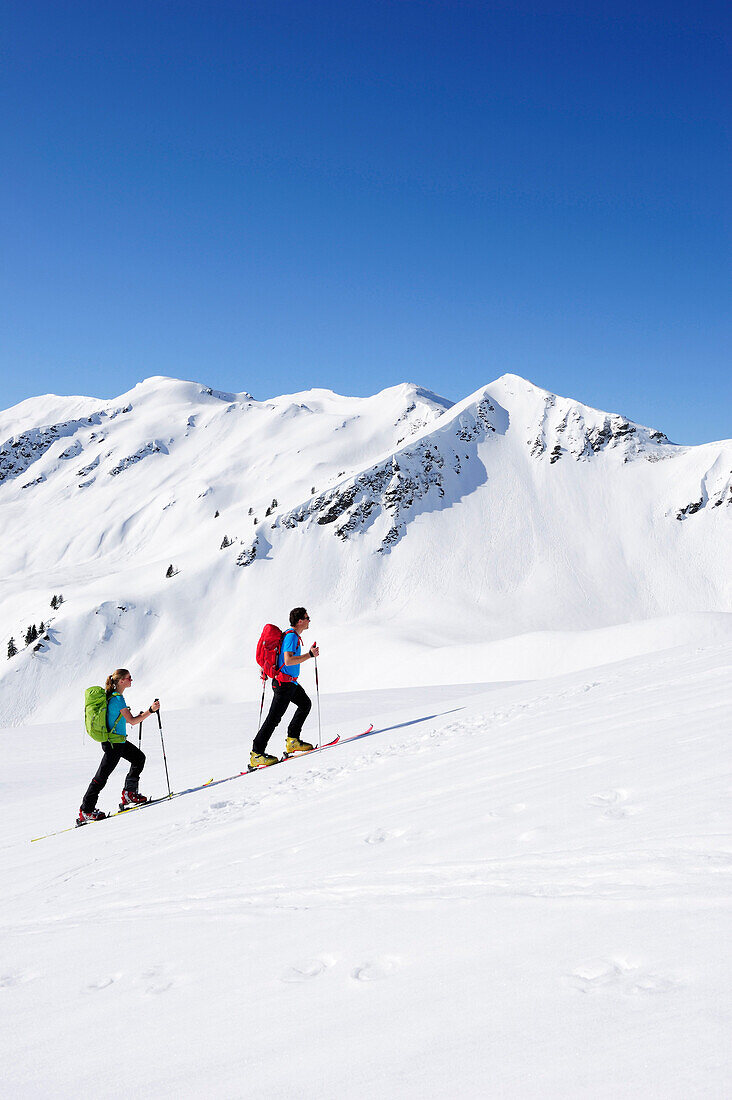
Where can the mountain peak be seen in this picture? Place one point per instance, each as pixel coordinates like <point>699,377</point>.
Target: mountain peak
<point>514,510</point>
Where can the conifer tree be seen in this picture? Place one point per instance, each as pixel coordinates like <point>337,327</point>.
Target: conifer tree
<point>12,649</point>
<point>171,571</point>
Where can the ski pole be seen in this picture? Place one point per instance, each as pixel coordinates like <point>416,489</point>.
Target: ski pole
<point>139,739</point>
<point>162,742</point>
<point>261,708</point>
<point>317,695</point>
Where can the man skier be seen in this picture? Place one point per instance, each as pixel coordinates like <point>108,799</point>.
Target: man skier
<point>286,690</point>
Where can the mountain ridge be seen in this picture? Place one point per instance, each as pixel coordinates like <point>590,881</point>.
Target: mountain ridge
<point>512,512</point>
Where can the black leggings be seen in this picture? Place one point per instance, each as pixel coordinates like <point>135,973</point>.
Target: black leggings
<point>112,754</point>
<point>284,694</point>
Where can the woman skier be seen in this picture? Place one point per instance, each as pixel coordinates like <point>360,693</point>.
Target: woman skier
<point>117,748</point>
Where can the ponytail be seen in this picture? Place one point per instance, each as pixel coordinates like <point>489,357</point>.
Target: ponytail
<point>111,685</point>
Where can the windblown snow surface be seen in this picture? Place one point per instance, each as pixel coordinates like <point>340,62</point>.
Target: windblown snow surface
<point>516,886</point>
<point>505,890</point>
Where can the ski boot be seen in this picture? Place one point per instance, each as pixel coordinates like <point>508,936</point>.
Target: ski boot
<point>295,747</point>
<point>259,760</point>
<point>132,798</point>
<point>89,815</point>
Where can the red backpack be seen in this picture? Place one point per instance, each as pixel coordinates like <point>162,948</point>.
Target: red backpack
<point>268,652</point>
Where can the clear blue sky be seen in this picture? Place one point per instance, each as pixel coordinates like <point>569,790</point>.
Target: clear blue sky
<point>277,194</point>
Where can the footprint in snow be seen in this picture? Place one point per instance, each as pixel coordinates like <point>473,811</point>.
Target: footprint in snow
<point>612,804</point>
<point>10,978</point>
<point>376,969</point>
<point>103,983</point>
<point>614,975</point>
<point>381,835</point>
<point>307,970</point>
<point>156,981</point>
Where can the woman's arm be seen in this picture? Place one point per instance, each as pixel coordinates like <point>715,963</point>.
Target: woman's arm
<point>130,718</point>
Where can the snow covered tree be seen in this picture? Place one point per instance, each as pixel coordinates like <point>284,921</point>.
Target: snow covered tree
<point>225,542</point>
<point>54,602</point>
<point>12,648</point>
<point>171,571</point>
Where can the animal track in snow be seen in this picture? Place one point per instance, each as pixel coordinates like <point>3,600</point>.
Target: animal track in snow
<point>615,975</point>
<point>373,971</point>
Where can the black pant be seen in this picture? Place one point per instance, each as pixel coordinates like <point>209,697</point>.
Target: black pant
<point>284,694</point>
<point>111,756</point>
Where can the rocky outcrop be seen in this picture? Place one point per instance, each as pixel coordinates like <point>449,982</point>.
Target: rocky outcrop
<point>21,451</point>
<point>151,448</point>
<point>581,433</point>
<point>399,487</point>
<point>716,492</point>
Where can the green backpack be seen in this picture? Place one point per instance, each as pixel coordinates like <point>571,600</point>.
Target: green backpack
<point>95,714</point>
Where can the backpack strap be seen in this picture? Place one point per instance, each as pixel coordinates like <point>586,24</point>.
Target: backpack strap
<point>114,727</point>
<point>280,667</point>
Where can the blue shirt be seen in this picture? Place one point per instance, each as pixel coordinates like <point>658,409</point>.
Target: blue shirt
<point>115,705</point>
<point>290,644</point>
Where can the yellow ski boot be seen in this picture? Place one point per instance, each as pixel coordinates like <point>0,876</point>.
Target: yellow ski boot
<point>295,747</point>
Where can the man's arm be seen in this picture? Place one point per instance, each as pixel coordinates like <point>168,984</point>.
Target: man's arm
<point>291,659</point>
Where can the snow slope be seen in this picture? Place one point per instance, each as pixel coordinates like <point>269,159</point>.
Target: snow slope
<point>441,543</point>
<point>517,890</point>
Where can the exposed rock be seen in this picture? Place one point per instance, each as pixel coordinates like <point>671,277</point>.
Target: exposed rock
<point>86,470</point>
<point>690,509</point>
<point>248,556</point>
<point>154,447</point>
<point>475,426</point>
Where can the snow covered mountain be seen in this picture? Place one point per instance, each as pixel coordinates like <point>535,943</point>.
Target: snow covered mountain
<point>424,537</point>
